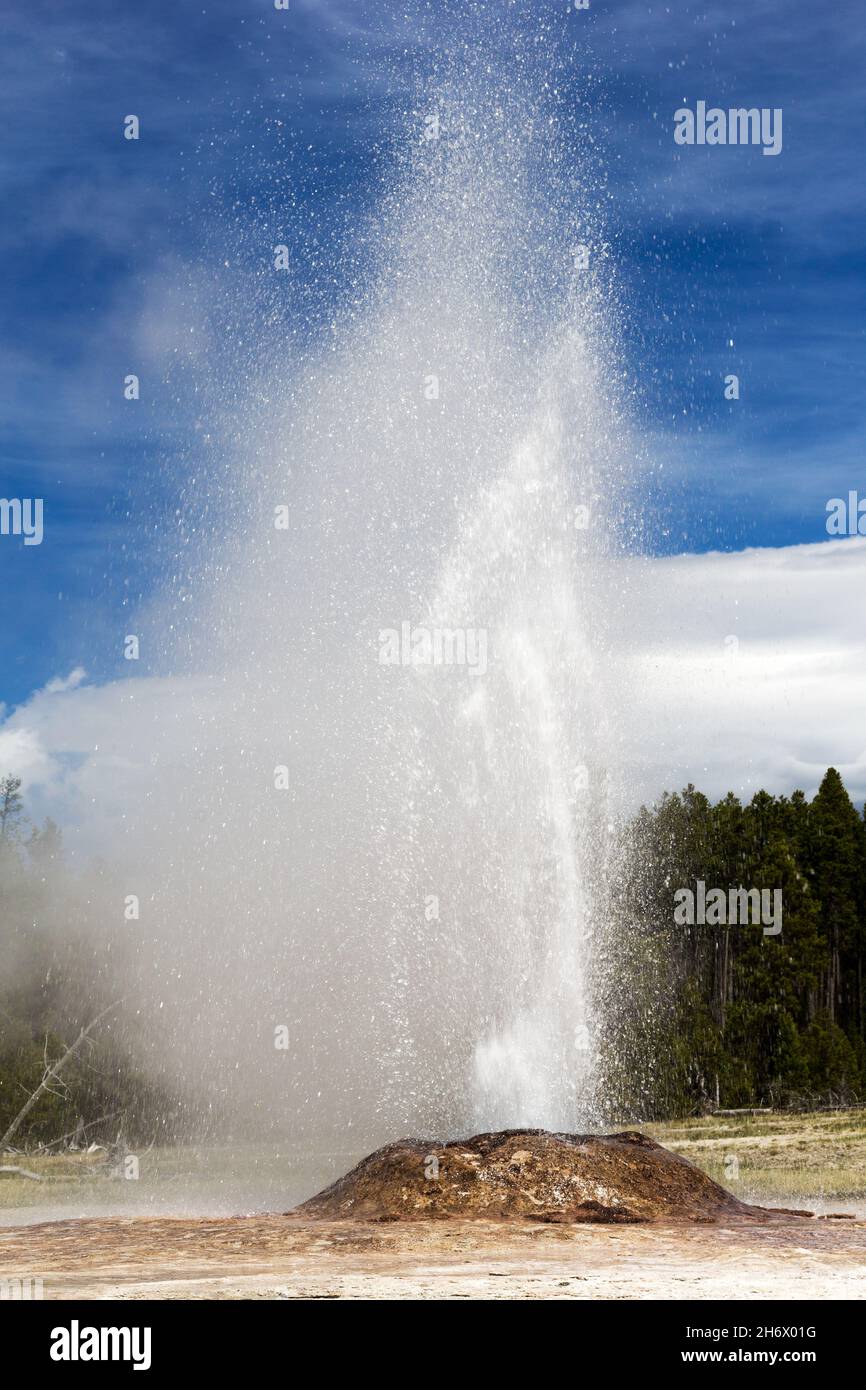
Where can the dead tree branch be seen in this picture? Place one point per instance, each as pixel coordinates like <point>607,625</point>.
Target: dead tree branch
<point>52,1143</point>
<point>52,1074</point>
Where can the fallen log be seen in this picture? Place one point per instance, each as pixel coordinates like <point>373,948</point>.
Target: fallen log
<point>17,1172</point>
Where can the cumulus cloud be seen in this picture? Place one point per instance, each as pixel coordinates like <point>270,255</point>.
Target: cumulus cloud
<point>736,671</point>
<point>749,669</point>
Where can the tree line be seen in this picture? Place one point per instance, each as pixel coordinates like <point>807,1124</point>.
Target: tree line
<point>698,1016</point>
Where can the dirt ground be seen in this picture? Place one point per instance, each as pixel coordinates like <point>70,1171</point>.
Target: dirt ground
<point>283,1257</point>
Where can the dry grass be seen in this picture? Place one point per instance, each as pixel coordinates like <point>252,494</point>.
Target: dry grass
<point>776,1156</point>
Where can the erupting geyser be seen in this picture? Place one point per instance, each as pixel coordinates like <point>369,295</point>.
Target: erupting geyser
<point>418,641</point>
<point>500,818</point>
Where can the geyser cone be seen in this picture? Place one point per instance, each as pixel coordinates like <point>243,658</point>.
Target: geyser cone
<point>608,1178</point>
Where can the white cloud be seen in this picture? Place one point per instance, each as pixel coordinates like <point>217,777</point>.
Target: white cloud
<point>772,709</point>
<point>23,755</point>
<point>60,684</point>
<point>748,669</point>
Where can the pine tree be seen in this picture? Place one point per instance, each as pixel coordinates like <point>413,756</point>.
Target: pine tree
<point>11,807</point>
<point>836,865</point>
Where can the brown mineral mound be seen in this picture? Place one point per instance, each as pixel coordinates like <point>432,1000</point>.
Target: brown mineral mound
<point>530,1173</point>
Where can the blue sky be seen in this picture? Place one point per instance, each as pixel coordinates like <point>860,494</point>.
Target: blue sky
<point>245,109</point>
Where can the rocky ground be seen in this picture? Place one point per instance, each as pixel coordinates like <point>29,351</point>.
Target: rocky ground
<point>279,1257</point>
<point>593,1217</point>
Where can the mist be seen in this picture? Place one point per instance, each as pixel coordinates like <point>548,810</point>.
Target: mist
<point>365,891</point>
